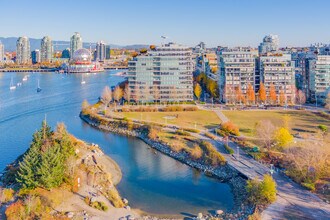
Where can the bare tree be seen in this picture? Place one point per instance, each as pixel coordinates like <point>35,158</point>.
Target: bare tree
<point>117,94</point>
<point>146,93</point>
<point>265,130</point>
<point>156,93</point>
<point>174,93</point>
<point>106,95</point>
<point>301,97</point>
<point>137,94</point>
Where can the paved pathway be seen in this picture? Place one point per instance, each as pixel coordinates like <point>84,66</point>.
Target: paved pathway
<point>293,201</point>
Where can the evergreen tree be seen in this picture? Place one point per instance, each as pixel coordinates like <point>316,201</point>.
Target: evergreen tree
<point>51,168</point>
<point>62,137</point>
<point>26,174</point>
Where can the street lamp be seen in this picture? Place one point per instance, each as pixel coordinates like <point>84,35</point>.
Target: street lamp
<point>237,153</point>
<point>271,169</point>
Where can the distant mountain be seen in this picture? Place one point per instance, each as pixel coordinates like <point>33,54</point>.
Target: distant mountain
<point>10,44</point>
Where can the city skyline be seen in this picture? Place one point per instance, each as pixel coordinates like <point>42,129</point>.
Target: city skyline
<point>185,22</point>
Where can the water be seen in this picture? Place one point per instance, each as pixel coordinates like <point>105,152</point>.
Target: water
<point>152,182</point>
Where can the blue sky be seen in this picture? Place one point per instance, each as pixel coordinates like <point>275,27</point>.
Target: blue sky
<point>216,22</point>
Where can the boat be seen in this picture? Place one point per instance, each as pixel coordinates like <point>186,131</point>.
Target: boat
<point>82,79</point>
<point>19,84</point>
<point>12,86</point>
<point>38,88</point>
<point>25,78</point>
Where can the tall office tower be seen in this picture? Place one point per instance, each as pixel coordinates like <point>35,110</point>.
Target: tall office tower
<point>277,71</point>
<point>237,72</point>
<point>162,74</point>
<point>270,43</point>
<point>319,77</point>
<point>75,43</point>
<point>23,50</point>
<point>46,53</point>
<point>2,52</point>
<point>100,51</point>
<point>107,52</point>
<point>36,56</point>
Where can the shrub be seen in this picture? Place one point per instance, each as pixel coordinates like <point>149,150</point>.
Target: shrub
<point>114,198</point>
<point>192,130</point>
<point>16,211</point>
<point>7,195</point>
<point>210,135</point>
<point>310,186</point>
<point>182,132</point>
<point>261,192</point>
<point>196,152</point>
<point>229,128</point>
<point>152,133</point>
<point>212,155</point>
<point>228,149</point>
<point>323,128</point>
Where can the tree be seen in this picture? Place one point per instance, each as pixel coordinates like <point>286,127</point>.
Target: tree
<point>51,169</point>
<point>327,102</point>
<point>174,94</point>
<point>106,96</point>
<point>127,93</point>
<point>230,128</point>
<point>156,93</point>
<point>262,93</point>
<point>261,192</point>
<point>62,137</point>
<point>300,97</point>
<point>214,69</point>
<point>265,131</point>
<point>283,137</point>
<point>201,80</point>
<point>196,152</point>
<point>146,93</point>
<point>85,105</point>
<point>212,88</point>
<point>250,94</point>
<point>282,98</point>
<point>239,95</point>
<point>137,94</point>
<point>272,94</point>
<point>153,133</point>
<point>198,91</point>
<point>117,94</point>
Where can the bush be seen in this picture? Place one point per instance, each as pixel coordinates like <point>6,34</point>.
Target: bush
<point>115,198</point>
<point>229,149</point>
<point>261,192</point>
<point>309,186</point>
<point>152,133</point>
<point>212,155</point>
<point>323,128</point>
<point>196,152</point>
<point>210,135</point>
<point>230,128</point>
<point>182,132</point>
<point>7,195</point>
<point>192,130</point>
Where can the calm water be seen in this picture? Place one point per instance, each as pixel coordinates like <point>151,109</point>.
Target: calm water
<point>152,182</point>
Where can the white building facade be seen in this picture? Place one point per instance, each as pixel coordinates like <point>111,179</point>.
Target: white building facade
<point>75,43</point>
<point>23,55</point>
<point>46,52</point>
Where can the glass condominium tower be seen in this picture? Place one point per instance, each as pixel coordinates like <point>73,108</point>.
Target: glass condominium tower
<point>46,53</point>
<point>163,74</point>
<point>23,50</point>
<point>75,43</point>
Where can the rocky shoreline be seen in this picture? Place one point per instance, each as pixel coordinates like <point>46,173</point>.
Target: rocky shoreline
<point>224,173</point>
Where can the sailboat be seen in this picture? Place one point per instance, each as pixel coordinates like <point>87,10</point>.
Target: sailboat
<point>25,78</point>
<point>38,88</point>
<point>12,86</point>
<point>82,79</point>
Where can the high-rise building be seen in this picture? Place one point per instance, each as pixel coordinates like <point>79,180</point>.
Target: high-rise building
<point>75,43</point>
<point>2,52</point>
<point>162,74</point>
<point>270,43</point>
<point>107,52</point>
<point>46,52</point>
<point>36,56</point>
<point>278,71</point>
<point>237,72</point>
<point>100,51</point>
<point>319,77</point>
<point>23,50</point>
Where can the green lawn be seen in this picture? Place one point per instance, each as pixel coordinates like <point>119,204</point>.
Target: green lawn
<point>301,121</point>
<point>186,119</point>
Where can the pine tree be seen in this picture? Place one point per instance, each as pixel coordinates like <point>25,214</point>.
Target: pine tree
<point>26,174</point>
<point>51,168</point>
<point>62,137</point>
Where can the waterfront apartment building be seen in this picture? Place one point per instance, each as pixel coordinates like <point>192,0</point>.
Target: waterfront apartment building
<point>75,43</point>
<point>237,71</point>
<point>2,52</point>
<point>163,74</point>
<point>36,56</point>
<point>100,51</point>
<point>278,71</point>
<point>23,50</point>
<point>270,43</point>
<point>46,52</point>
<point>319,74</point>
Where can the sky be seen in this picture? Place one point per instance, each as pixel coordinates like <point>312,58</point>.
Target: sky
<point>125,22</point>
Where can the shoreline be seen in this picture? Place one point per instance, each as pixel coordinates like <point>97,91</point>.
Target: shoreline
<point>226,173</point>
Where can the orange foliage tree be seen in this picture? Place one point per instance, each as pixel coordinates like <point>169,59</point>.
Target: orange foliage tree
<point>262,93</point>
<point>239,98</point>
<point>282,98</point>
<point>272,94</point>
<point>250,94</point>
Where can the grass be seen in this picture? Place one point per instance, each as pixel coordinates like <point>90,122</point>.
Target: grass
<point>300,121</point>
<point>186,119</point>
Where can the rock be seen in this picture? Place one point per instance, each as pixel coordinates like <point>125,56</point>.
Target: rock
<point>219,212</point>
<point>125,201</point>
<point>70,214</point>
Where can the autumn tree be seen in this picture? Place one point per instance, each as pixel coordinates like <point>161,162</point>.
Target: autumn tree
<point>261,192</point>
<point>283,137</point>
<point>327,102</point>
<point>282,98</point>
<point>265,131</point>
<point>137,94</point>
<point>212,88</point>
<point>85,105</point>
<point>239,98</point>
<point>272,94</point>
<point>201,80</point>
<point>250,94</point>
<point>197,91</point>
<point>146,93</point>
<point>156,93</point>
<point>127,93</point>
<point>262,93</point>
<point>106,96</point>
<point>117,94</point>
